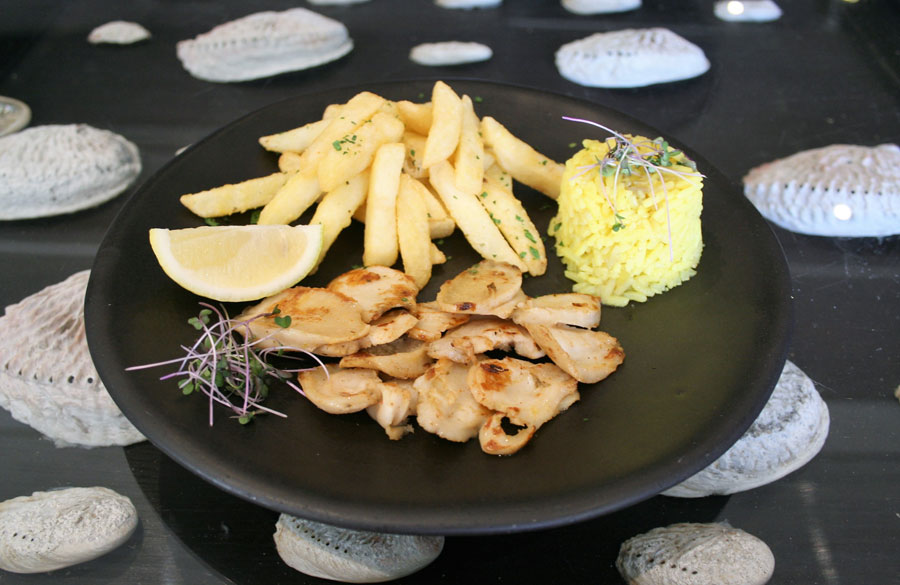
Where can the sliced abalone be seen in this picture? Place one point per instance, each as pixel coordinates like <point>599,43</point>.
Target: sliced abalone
<point>47,378</point>
<point>630,58</point>
<point>265,44</point>
<point>57,169</point>
<point>837,190</point>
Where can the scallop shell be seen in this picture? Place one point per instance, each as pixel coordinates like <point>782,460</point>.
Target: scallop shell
<point>600,6</point>
<point>837,190</point>
<point>449,53</point>
<point>118,32</point>
<point>14,115</point>
<point>48,380</point>
<point>468,4</point>
<point>747,10</point>
<point>56,169</point>
<point>352,556</point>
<point>630,58</point>
<point>51,530</point>
<point>695,554</point>
<point>787,434</point>
<point>264,44</point>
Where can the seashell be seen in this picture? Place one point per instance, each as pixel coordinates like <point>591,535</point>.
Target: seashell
<point>695,554</point>
<point>630,58</point>
<point>838,190</point>
<point>47,378</point>
<point>468,4</point>
<point>352,556</point>
<point>336,2</point>
<point>600,6</point>
<point>118,32</point>
<point>14,115</point>
<point>787,434</point>
<point>449,53</point>
<point>51,170</point>
<point>747,10</point>
<point>264,44</point>
<point>55,529</point>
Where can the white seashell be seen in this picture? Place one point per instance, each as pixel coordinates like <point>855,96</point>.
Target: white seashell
<point>14,115</point>
<point>468,4</point>
<point>51,170</point>
<point>787,434</point>
<point>695,554</point>
<point>352,556</point>
<point>264,44</point>
<point>630,58</point>
<point>47,378</point>
<point>449,53</point>
<point>837,190</point>
<point>51,530</point>
<point>600,6</point>
<point>747,10</point>
<point>336,2</point>
<point>119,32</point>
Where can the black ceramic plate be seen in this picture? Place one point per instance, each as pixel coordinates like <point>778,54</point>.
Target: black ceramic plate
<point>701,361</point>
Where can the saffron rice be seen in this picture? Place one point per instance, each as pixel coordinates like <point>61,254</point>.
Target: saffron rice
<point>625,237</point>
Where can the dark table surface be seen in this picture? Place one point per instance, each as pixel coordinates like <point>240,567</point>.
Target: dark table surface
<point>827,72</point>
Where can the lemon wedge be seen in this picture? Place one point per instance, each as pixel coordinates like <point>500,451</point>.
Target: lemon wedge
<point>237,263</point>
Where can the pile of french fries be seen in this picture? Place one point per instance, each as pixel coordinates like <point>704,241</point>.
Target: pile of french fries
<point>412,172</point>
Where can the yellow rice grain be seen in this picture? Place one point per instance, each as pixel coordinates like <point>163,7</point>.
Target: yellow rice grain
<point>653,245</point>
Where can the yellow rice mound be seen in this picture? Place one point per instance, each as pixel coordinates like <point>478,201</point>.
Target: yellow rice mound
<point>620,239</point>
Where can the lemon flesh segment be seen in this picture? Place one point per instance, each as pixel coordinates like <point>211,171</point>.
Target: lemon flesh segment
<point>237,263</point>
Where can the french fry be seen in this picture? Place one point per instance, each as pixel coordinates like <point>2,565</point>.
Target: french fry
<point>352,115</point>
<point>234,198</point>
<point>515,225</point>
<point>336,208</point>
<point>380,246</point>
<point>413,237</point>
<point>355,152</point>
<point>415,149</point>
<point>446,122</point>
<point>472,218</point>
<point>416,117</point>
<point>289,162</point>
<point>437,257</point>
<point>331,111</point>
<point>295,140</point>
<point>297,194</point>
<point>467,160</point>
<point>520,160</point>
<point>440,224</point>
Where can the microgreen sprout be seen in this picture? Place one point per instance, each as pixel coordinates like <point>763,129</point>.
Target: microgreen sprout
<point>233,373</point>
<point>626,157</point>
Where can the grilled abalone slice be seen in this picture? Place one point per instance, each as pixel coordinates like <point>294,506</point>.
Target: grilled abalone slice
<point>630,58</point>
<point>264,44</point>
<point>55,529</point>
<point>695,554</point>
<point>47,378</point>
<point>838,190</point>
<point>56,169</point>
<point>351,556</point>
<point>787,434</point>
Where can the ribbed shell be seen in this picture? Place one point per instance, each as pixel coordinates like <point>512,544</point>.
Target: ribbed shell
<point>118,32</point>
<point>630,58</point>
<point>56,169</point>
<point>750,11</point>
<point>47,377</point>
<point>695,554</point>
<point>51,530</point>
<point>264,44</point>
<point>467,4</point>
<point>600,6</point>
<point>352,556</point>
<point>808,192</point>
<point>787,434</point>
<point>449,53</point>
